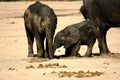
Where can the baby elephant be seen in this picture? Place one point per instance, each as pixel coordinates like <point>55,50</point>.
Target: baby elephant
<point>73,36</point>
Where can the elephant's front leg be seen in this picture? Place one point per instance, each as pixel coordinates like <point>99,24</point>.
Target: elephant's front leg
<point>68,52</point>
<point>89,50</point>
<point>102,42</point>
<point>75,49</point>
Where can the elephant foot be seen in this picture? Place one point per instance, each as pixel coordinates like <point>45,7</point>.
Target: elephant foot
<point>87,55</point>
<point>51,56</point>
<point>40,55</point>
<point>46,55</point>
<point>105,52</point>
<point>67,54</point>
<point>77,55</point>
<point>30,55</point>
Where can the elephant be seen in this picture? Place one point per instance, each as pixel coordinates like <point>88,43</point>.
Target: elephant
<point>104,14</point>
<point>75,35</point>
<point>40,22</point>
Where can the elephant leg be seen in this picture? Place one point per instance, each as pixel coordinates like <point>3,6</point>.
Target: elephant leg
<point>90,46</point>
<point>42,36</point>
<point>75,50</point>
<point>49,43</point>
<point>47,50</point>
<point>102,31</point>
<point>68,52</point>
<point>30,38</point>
<point>39,44</point>
<point>89,50</point>
<point>102,42</point>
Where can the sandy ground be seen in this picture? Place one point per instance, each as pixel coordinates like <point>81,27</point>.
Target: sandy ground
<point>15,65</point>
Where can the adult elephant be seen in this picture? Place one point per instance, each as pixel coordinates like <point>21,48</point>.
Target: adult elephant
<point>40,23</point>
<point>105,14</point>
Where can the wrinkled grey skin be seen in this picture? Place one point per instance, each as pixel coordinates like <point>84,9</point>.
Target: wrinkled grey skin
<point>40,23</point>
<point>105,14</point>
<point>73,36</point>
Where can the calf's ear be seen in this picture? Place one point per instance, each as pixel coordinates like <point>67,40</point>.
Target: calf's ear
<point>69,41</point>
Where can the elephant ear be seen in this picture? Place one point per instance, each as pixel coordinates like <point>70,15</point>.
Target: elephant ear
<point>72,37</point>
<point>71,40</point>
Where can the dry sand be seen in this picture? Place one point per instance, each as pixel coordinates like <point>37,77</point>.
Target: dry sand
<point>15,65</point>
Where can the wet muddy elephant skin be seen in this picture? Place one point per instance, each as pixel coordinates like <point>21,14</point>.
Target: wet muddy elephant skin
<point>73,36</point>
<point>40,23</point>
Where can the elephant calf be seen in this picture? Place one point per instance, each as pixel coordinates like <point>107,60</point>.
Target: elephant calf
<point>40,23</point>
<point>73,36</point>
